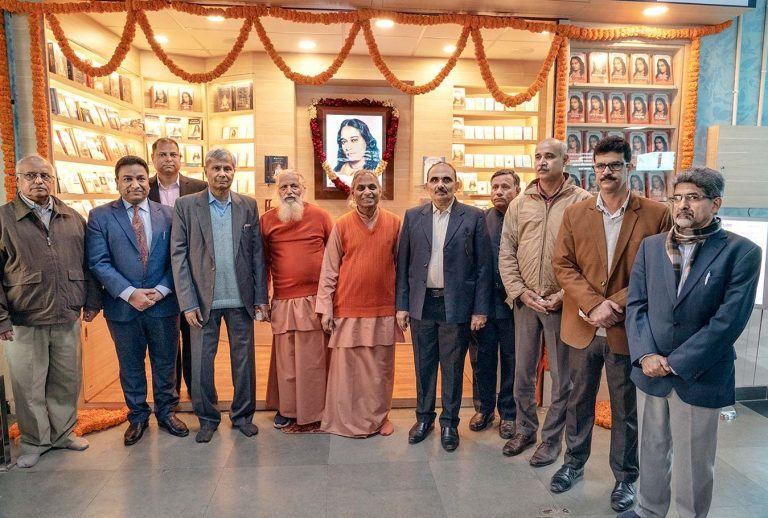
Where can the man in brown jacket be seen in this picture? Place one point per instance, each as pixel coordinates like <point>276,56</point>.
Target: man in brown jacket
<point>595,250</point>
<point>525,265</point>
<point>45,283</point>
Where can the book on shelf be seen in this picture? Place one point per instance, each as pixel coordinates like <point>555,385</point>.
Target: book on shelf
<point>662,69</point>
<point>657,186</point>
<point>640,68</point>
<point>490,159</point>
<point>106,85</point>
<point>85,112</point>
<point>527,132</point>
<point>232,132</point>
<point>618,67</point>
<point>509,161</point>
<point>51,57</point>
<point>469,161</point>
<point>114,85</point>
<point>596,107</point>
<point>174,128</point>
<point>126,94</point>
<point>483,187</point>
<point>273,164</point>
<point>488,132</point>
<point>591,138</point>
<point>659,141</point>
<point>469,132</point>
<point>103,117</point>
<point>498,132</point>
<point>69,183</point>
<point>132,126</point>
<point>66,139</point>
<point>573,142</point>
<point>459,95</point>
<point>54,101</point>
<point>81,141</point>
<point>86,179</point>
<point>193,156</point>
<point>660,107</point>
<point>578,68</point>
<point>158,96</point>
<point>468,182</point>
<point>243,158</point>
<point>186,99</point>
<point>75,74</point>
<point>479,160</point>
<point>114,148</point>
<point>244,96</point>
<point>638,106</point>
<point>598,67</point>
<point>576,107</point>
<point>617,103</point>
<point>490,104</point>
<point>457,153</point>
<point>223,100</point>
<point>114,119</point>
<point>498,161</point>
<point>458,127</point>
<point>71,105</point>
<point>152,126</point>
<point>95,148</point>
<point>194,129</point>
<point>470,104</point>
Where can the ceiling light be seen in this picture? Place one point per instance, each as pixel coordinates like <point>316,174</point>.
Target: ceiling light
<point>449,49</point>
<point>216,18</point>
<point>384,23</point>
<point>656,10</point>
<point>162,40</point>
<point>307,44</point>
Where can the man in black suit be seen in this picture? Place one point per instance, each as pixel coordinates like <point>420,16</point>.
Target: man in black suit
<point>443,289</point>
<point>165,187</point>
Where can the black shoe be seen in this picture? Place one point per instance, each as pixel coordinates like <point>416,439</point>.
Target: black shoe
<point>480,421</point>
<point>506,429</point>
<point>546,453</point>
<point>518,444</point>
<point>174,426</point>
<point>564,478</point>
<point>134,432</point>
<point>419,432</point>
<point>281,421</point>
<point>623,496</point>
<point>449,438</point>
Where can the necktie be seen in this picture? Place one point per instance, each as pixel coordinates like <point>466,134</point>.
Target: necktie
<point>141,238</point>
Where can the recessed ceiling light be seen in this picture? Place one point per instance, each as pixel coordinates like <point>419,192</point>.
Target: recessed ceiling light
<point>216,18</point>
<point>162,40</point>
<point>449,49</point>
<point>656,10</point>
<point>384,23</point>
<point>307,44</point>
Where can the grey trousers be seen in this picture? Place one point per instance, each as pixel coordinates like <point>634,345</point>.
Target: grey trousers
<point>44,362</point>
<point>529,328</point>
<point>667,425</point>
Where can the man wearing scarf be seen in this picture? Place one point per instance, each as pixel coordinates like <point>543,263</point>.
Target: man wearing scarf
<point>691,293</point>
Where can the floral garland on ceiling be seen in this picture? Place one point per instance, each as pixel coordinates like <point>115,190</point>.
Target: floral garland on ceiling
<point>317,136</point>
<point>6,116</point>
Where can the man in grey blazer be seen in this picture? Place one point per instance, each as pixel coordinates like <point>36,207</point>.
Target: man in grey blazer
<point>691,293</point>
<point>219,275</point>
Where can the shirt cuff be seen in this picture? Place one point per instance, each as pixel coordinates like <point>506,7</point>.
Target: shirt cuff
<point>163,290</point>
<point>126,293</point>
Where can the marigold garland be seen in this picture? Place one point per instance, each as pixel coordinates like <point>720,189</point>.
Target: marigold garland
<point>562,90</point>
<point>688,123</point>
<point>40,111</point>
<point>6,118</point>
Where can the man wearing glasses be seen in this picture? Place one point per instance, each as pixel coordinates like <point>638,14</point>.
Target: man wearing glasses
<point>45,284</point>
<point>596,246</point>
<point>691,294</point>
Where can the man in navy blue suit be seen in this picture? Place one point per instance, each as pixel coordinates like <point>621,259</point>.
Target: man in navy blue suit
<point>443,290</point>
<point>128,247</point>
<point>691,293</point>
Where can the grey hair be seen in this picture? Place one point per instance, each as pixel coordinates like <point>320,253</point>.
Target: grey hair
<point>283,172</point>
<point>708,180</point>
<point>34,156</point>
<point>220,154</point>
<point>356,180</point>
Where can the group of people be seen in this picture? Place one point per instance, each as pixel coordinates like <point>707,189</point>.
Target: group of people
<point>656,297</point>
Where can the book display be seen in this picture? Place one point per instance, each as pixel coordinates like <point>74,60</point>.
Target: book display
<point>488,136</point>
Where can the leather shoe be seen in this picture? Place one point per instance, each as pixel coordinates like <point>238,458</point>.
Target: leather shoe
<point>449,438</point>
<point>546,453</point>
<point>419,432</point>
<point>506,429</point>
<point>622,496</point>
<point>134,432</point>
<point>174,426</point>
<point>518,444</point>
<point>564,478</point>
<point>480,421</point>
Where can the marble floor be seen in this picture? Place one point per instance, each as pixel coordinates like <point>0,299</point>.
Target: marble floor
<point>279,475</point>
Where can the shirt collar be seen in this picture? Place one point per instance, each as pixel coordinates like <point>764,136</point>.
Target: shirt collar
<point>435,210</point>
<point>143,205</point>
<point>602,208</point>
<point>35,206</point>
<point>213,199</point>
<point>548,199</point>
<point>174,185</point>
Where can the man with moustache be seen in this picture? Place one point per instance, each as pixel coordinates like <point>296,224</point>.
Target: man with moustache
<point>496,340</point>
<point>45,284</point>
<point>294,235</point>
<point>443,289</point>
<point>525,264</point>
<point>128,248</point>
<point>596,247</point>
<point>166,187</point>
<point>219,275</point>
<point>691,293</point>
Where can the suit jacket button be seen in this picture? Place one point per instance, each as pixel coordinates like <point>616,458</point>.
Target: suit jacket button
<point>675,323</point>
<point>602,283</point>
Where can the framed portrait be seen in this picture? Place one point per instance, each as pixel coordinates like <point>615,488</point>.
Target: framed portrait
<point>596,107</point>
<point>576,107</point>
<point>617,64</point>
<point>660,108</point>
<point>353,137</point>
<point>577,70</point>
<point>662,69</point>
<point>617,106</point>
<point>640,67</point>
<point>638,108</point>
<point>598,67</point>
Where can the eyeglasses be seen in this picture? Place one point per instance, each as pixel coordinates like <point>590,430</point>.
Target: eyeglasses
<point>615,167</point>
<point>31,176</point>
<point>691,197</point>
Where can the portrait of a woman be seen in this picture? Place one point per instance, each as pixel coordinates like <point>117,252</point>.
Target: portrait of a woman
<point>660,144</point>
<point>592,140</point>
<point>658,187</point>
<point>576,109</point>
<point>663,71</point>
<point>639,109</point>
<point>358,148</point>
<point>185,100</point>
<point>578,71</point>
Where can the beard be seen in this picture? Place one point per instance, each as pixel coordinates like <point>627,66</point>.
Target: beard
<point>290,211</point>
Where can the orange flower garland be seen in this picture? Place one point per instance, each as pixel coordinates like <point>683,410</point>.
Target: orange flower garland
<point>688,130</point>
<point>6,118</point>
<point>39,90</point>
<point>561,89</point>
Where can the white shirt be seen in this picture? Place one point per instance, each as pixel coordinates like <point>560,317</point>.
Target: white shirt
<point>169,195</point>
<point>435,278</point>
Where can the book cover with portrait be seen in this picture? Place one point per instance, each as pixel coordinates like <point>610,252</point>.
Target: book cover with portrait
<point>598,67</point>
<point>591,138</point>
<point>617,108</point>
<point>243,96</point>
<point>576,111</point>
<point>659,142</point>
<point>194,129</point>
<point>158,96</point>
<point>458,127</point>
<point>617,64</point>
<point>638,108</point>
<point>574,177</point>
<point>573,142</point>
<point>459,96</point>
<point>596,107</point>
<point>638,142</point>
<point>657,186</point>
<point>637,184</point>
<point>640,68</point>
<point>662,69</point>
<point>223,101</point>
<point>660,107</point>
<point>273,165</point>
<point>578,68</point>
<point>457,153</point>
<point>186,99</point>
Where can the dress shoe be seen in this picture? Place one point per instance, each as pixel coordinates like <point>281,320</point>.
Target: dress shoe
<point>248,429</point>
<point>622,496</point>
<point>174,426</point>
<point>518,444</point>
<point>480,421</point>
<point>78,444</point>
<point>134,432</point>
<point>419,432</point>
<point>281,421</point>
<point>546,453</point>
<point>507,429</point>
<point>449,438</point>
<point>205,435</point>
<point>564,478</point>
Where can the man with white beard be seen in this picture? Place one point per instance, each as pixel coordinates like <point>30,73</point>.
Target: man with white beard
<point>295,234</point>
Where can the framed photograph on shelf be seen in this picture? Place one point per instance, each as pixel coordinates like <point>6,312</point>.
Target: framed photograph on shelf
<point>640,68</point>
<point>638,105</point>
<point>578,68</point>
<point>576,107</point>
<point>158,96</point>
<point>186,99</point>
<point>660,107</point>
<point>662,69</point>
<point>273,164</point>
<point>223,100</point>
<point>598,67</point>
<point>618,67</point>
<point>596,107</point>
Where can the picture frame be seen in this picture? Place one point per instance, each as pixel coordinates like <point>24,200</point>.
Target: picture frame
<point>273,164</point>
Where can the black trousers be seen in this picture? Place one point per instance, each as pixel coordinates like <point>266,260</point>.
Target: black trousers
<point>493,343</point>
<point>436,341</point>
<point>586,367</point>
<point>184,358</point>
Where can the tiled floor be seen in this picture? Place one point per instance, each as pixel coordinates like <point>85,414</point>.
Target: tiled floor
<point>278,475</point>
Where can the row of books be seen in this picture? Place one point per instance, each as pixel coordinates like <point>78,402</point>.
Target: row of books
<point>651,185</point>
<point>160,96</point>
<point>116,85</point>
<point>471,185</point>
<point>87,182</point>
<point>78,143</point>
<point>618,107</point>
<point>620,67</point>
<point>235,132</point>
<point>490,132</point>
<point>579,142</point>
<point>233,97</point>
<point>83,110</point>
<point>487,104</point>
<point>485,160</point>
<point>173,127</point>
